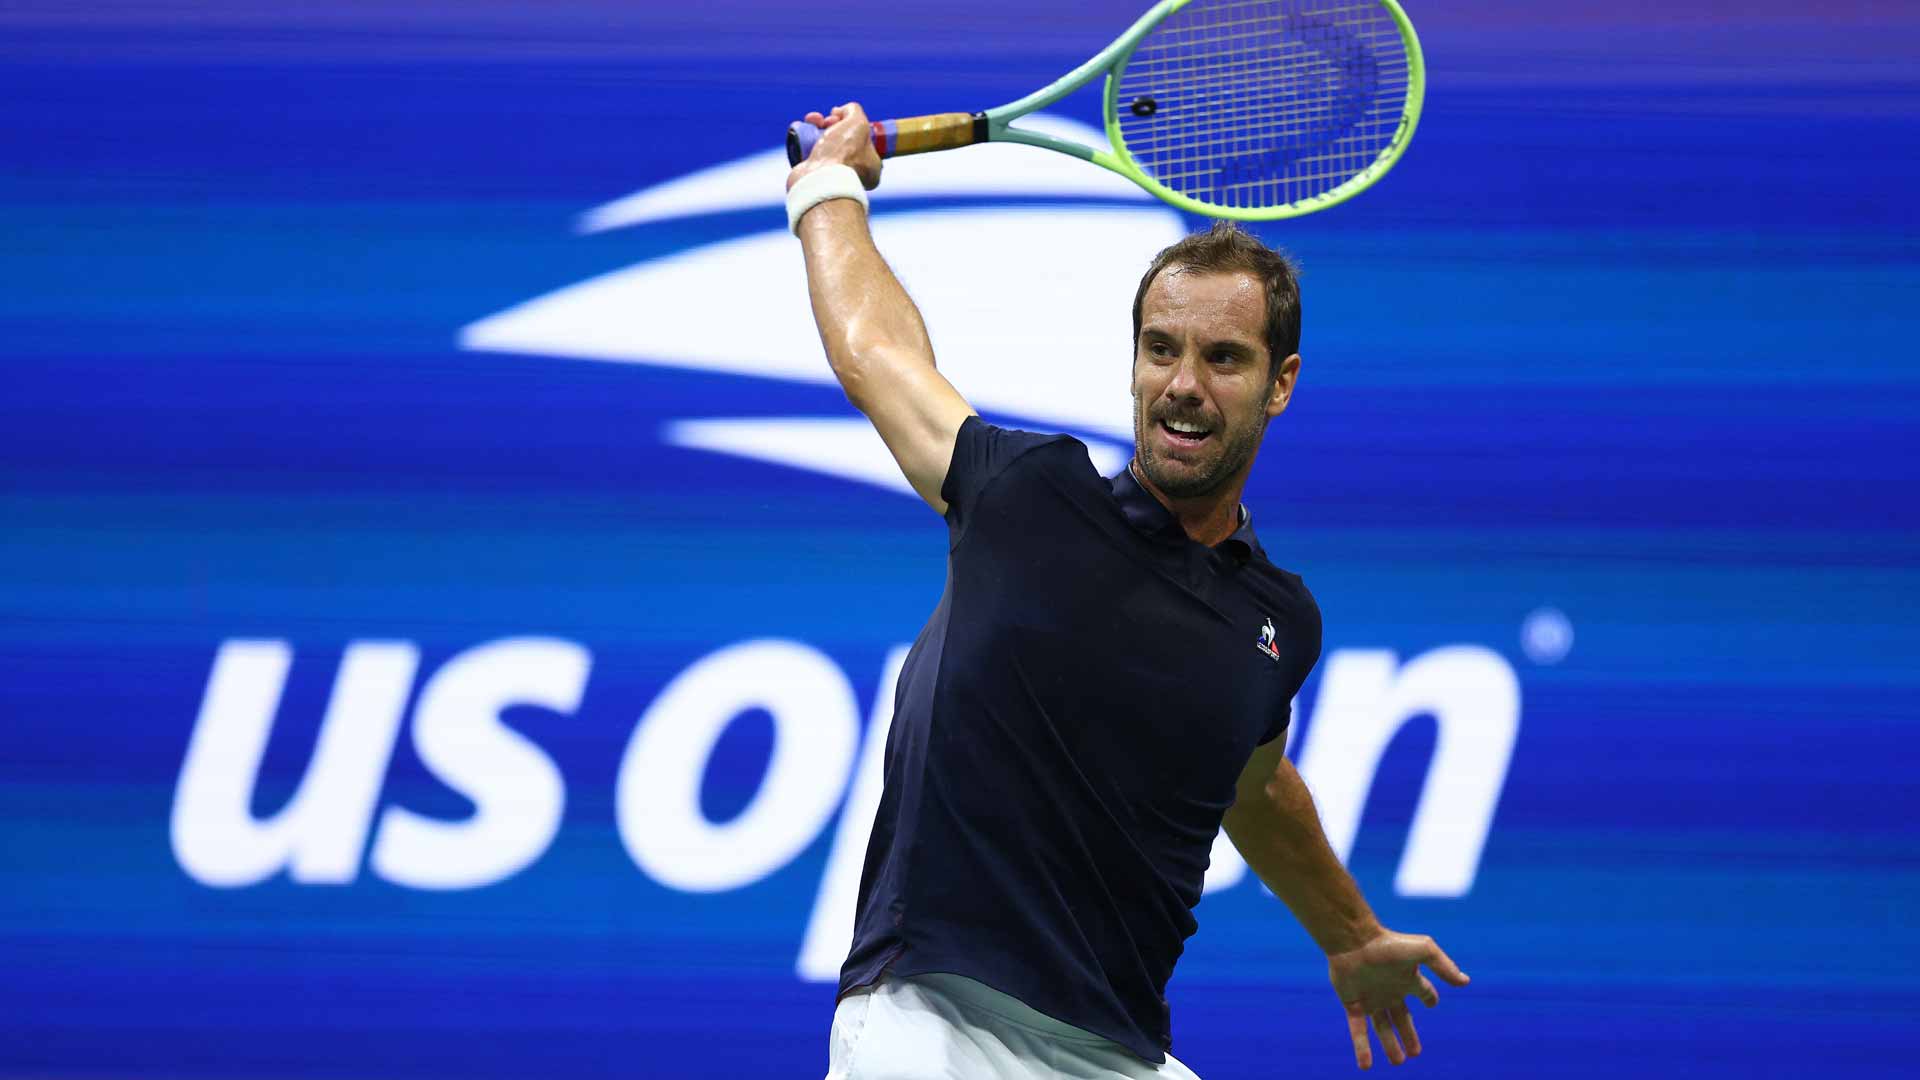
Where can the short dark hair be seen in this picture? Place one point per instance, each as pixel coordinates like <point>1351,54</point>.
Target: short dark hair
<point>1226,248</point>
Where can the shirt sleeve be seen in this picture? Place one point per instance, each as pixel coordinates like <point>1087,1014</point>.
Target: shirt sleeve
<point>1279,725</point>
<point>981,452</point>
<point>1307,648</point>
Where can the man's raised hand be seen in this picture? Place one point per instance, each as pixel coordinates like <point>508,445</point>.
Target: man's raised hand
<point>848,141</point>
<point>1375,980</point>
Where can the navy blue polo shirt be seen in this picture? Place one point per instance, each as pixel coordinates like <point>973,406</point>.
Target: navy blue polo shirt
<point>1067,732</point>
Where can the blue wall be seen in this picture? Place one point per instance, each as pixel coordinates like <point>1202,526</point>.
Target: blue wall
<point>1625,340</point>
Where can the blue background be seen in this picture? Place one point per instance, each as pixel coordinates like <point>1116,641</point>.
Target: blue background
<point>1628,333</point>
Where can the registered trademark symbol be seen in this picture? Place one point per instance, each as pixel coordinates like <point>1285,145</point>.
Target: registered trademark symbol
<point>1546,635</point>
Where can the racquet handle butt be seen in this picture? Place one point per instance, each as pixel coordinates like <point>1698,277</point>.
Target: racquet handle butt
<point>801,139</point>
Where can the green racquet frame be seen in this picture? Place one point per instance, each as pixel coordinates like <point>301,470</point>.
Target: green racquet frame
<point>951,130</point>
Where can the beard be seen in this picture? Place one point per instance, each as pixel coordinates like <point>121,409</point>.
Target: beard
<point>1224,454</point>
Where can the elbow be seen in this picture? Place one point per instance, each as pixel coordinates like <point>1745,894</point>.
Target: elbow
<point>854,371</point>
<point>1250,805</point>
<point>864,368</point>
<point>1286,793</point>
<point>1276,792</point>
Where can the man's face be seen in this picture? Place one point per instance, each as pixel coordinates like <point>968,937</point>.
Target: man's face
<point>1201,390</point>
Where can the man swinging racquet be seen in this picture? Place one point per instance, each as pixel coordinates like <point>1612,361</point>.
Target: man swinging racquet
<point>1104,683</point>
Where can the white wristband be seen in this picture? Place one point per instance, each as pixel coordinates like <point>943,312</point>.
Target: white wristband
<point>826,182</point>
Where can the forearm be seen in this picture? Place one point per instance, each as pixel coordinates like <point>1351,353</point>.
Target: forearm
<point>1277,831</point>
<point>865,317</point>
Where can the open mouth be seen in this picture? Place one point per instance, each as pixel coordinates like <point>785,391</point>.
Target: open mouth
<point>1184,433</point>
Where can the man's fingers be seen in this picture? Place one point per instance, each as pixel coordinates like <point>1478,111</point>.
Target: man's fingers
<point>1383,1027</point>
<point>1428,995</point>
<point>1357,1028</point>
<point>1443,965</point>
<point>1403,1025</point>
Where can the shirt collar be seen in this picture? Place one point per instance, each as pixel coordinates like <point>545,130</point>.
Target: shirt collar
<point>1145,513</point>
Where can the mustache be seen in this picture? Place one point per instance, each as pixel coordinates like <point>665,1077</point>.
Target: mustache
<point>1185,416</point>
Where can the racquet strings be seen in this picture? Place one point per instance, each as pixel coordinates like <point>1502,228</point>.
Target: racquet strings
<point>1263,103</point>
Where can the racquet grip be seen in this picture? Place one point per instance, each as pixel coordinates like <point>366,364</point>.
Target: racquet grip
<point>892,138</point>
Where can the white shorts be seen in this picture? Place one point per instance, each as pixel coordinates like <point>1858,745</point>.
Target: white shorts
<point>946,1027</point>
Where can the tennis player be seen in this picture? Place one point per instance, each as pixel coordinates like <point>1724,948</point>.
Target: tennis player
<point>1106,679</point>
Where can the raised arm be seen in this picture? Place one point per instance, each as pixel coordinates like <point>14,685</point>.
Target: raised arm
<point>875,341</point>
<point>1276,829</point>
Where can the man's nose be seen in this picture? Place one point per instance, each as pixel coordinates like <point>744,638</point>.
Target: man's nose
<point>1185,382</point>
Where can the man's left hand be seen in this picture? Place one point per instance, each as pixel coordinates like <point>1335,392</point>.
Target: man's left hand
<point>1374,981</point>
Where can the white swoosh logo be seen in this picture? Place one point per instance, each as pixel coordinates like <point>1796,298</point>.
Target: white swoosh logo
<point>1027,306</point>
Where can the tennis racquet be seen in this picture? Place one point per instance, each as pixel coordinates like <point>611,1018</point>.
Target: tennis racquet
<point>1247,109</point>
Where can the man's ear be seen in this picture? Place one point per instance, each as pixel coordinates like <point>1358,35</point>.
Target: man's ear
<point>1283,383</point>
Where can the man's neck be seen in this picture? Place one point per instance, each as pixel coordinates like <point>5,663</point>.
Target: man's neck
<point>1206,519</point>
